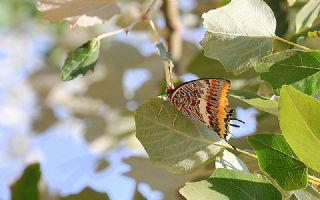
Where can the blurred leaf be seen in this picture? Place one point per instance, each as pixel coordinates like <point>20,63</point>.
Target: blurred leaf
<point>81,60</point>
<point>87,194</point>
<point>143,170</point>
<point>27,186</point>
<point>311,40</point>
<point>277,159</point>
<point>205,67</point>
<point>102,164</point>
<point>299,116</point>
<point>180,149</point>
<point>307,14</point>
<point>231,37</point>
<point>138,196</point>
<point>291,2</point>
<point>230,161</point>
<point>226,184</point>
<point>304,68</point>
<point>267,105</point>
<point>78,12</point>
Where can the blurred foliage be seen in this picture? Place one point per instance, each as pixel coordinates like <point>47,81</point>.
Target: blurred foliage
<point>87,194</point>
<point>27,185</point>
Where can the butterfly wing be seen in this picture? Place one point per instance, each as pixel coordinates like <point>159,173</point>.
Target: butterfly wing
<point>204,100</point>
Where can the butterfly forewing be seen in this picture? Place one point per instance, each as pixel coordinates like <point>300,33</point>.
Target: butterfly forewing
<point>204,100</point>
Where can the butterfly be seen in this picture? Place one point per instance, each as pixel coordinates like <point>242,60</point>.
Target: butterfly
<point>205,100</point>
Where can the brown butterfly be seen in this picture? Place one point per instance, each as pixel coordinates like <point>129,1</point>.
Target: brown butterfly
<point>205,100</point>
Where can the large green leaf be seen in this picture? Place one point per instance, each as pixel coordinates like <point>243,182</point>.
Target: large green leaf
<point>277,159</point>
<point>226,184</point>
<point>81,60</point>
<point>307,14</point>
<point>297,68</point>
<point>27,186</point>
<point>172,140</point>
<point>231,37</point>
<point>261,103</point>
<point>299,116</point>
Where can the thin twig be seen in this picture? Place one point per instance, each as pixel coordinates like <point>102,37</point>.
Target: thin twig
<point>291,43</point>
<point>171,14</point>
<point>167,66</point>
<point>143,17</point>
<point>228,146</point>
<point>153,27</point>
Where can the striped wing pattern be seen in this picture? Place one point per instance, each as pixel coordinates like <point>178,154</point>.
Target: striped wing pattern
<point>204,100</point>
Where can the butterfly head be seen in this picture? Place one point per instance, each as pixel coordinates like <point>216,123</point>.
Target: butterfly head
<point>230,118</point>
<point>169,92</point>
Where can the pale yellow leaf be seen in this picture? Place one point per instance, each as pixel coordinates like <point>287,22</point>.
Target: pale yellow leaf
<point>78,12</point>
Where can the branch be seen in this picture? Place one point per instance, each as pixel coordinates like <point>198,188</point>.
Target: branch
<point>174,41</point>
<point>143,17</point>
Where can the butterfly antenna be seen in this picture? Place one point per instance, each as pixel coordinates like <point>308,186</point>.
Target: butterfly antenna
<point>237,120</point>
<point>234,125</point>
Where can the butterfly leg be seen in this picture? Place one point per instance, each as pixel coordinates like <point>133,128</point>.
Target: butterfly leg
<point>160,110</point>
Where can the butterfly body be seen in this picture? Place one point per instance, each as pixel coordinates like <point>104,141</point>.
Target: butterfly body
<point>204,100</point>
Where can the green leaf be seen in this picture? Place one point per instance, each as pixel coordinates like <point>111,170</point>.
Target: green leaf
<point>172,140</point>
<point>307,14</point>
<point>261,103</point>
<point>81,60</point>
<point>277,159</point>
<point>163,53</point>
<point>226,184</point>
<point>297,68</point>
<point>299,116</point>
<point>27,186</point>
<point>87,194</point>
<point>231,37</point>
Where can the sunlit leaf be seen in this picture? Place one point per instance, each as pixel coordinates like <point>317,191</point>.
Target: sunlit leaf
<point>230,161</point>
<point>277,159</point>
<point>226,184</point>
<point>239,33</point>
<point>297,68</point>
<point>261,103</point>
<point>81,60</point>
<point>78,12</point>
<point>172,140</point>
<point>86,194</point>
<point>27,186</point>
<point>291,2</point>
<point>299,116</point>
<point>307,14</point>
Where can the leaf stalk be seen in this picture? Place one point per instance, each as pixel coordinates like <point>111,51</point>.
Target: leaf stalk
<point>291,43</point>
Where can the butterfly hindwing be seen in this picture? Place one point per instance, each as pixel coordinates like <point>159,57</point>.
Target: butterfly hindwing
<point>204,100</point>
